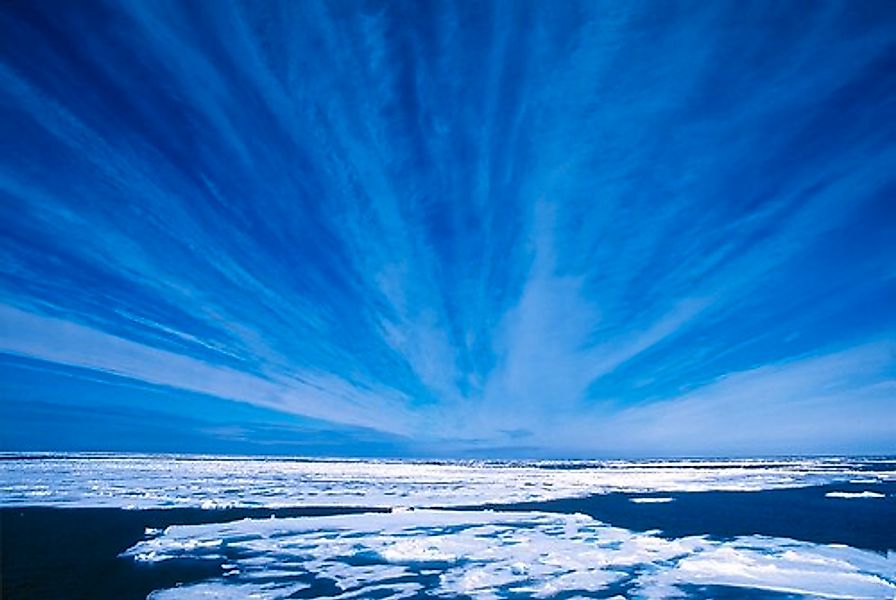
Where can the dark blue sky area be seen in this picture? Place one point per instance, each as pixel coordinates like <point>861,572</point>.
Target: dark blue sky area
<point>472,228</point>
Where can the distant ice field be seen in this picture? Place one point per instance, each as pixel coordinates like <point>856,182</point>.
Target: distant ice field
<point>142,482</point>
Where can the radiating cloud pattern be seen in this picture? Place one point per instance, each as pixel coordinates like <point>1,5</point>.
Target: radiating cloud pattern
<point>448,228</point>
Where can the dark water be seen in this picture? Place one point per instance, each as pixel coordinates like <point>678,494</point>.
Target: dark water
<point>73,553</point>
<point>54,553</point>
<point>803,514</point>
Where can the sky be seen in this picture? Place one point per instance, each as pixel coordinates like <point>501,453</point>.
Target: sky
<point>454,229</point>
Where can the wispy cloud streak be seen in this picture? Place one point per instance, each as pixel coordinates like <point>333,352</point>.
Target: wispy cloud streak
<point>465,225</point>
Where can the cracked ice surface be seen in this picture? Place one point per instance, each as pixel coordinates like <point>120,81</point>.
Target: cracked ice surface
<point>486,554</point>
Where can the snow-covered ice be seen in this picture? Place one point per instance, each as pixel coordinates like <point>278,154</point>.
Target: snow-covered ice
<point>486,554</point>
<point>216,482</point>
<point>423,547</point>
<point>865,494</point>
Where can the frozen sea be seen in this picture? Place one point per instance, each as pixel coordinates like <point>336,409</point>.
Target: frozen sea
<point>129,526</point>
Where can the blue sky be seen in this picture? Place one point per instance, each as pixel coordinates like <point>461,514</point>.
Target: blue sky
<point>456,229</point>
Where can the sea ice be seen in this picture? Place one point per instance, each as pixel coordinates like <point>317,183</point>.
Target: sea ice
<point>139,482</point>
<point>487,554</point>
<point>865,494</point>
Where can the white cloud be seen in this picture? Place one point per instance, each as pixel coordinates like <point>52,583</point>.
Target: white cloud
<point>818,404</point>
<point>319,396</point>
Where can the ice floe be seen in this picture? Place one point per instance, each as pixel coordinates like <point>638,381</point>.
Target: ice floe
<point>486,554</point>
<point>865,494</point>
<point>138,482</point>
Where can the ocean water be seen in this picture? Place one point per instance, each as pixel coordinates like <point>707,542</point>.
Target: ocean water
<point>111,526</point>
